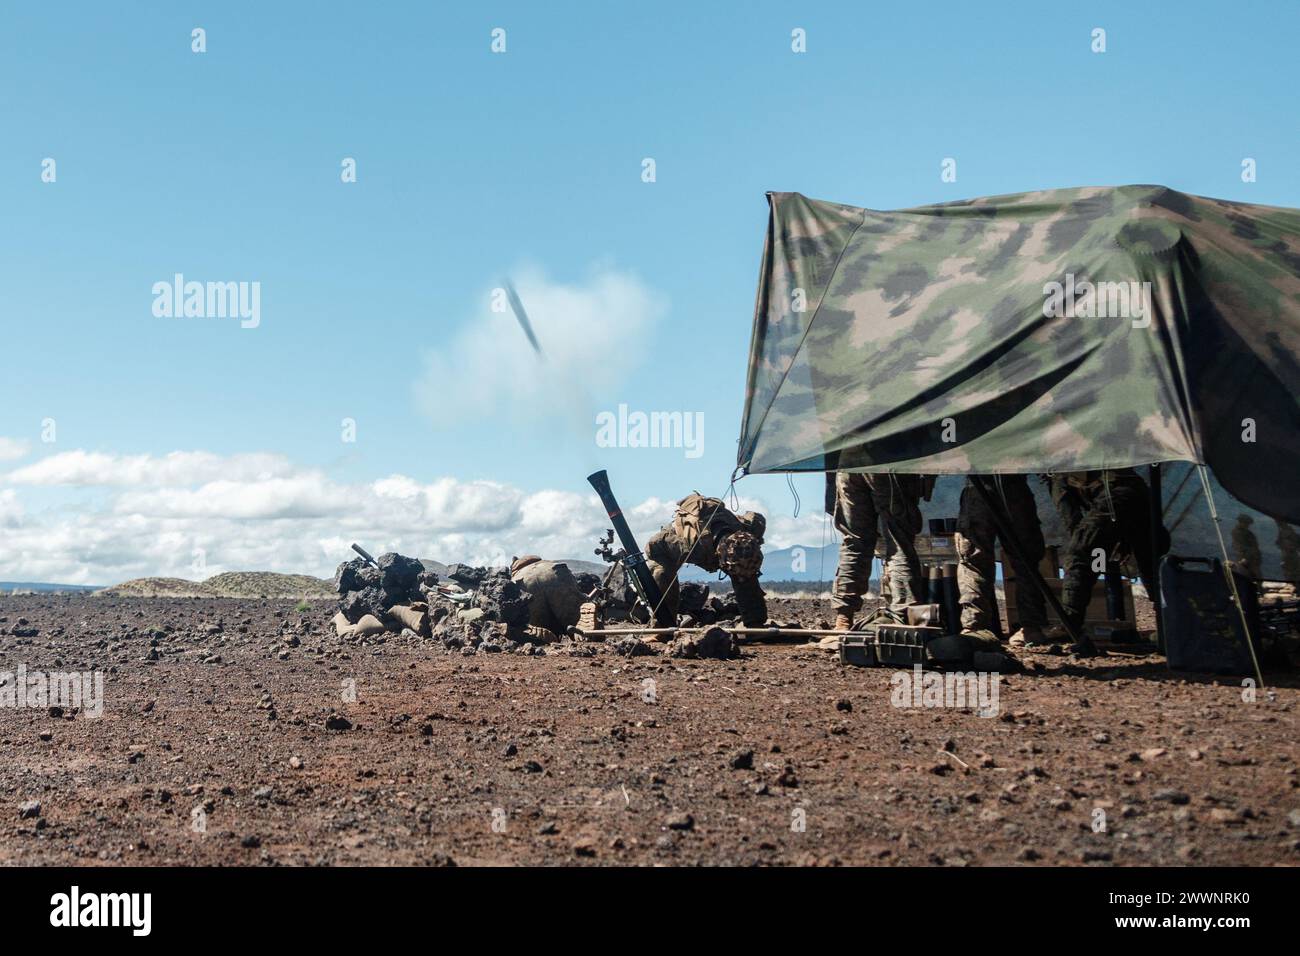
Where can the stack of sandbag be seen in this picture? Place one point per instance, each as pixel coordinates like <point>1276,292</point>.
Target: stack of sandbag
<point>488,612</point>
<point>476,608</point>
<point>390,595</point>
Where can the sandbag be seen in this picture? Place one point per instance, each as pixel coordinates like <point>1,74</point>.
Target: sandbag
<point>342,626</point>
<point>368,626</point>
<point>418,621</point>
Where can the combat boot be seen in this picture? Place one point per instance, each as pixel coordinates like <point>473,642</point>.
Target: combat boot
<point>1034,638</point>
<point>843,622</point>
<point>1030,636</point>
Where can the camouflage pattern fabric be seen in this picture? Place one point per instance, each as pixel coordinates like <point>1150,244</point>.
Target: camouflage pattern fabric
<point>555,600</point>
<point>921,340</point>
<point>976,538</point>
<point>740,555</point>
<point>752,599</point>
<point>699,523</point>
<point>863,505</point>
<point>1288,543</point>
<point>1068,501</point>
<point>666,552</point>
<point>1115,518</point>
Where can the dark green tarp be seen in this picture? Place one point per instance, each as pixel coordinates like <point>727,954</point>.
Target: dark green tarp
<point>1052,331</point>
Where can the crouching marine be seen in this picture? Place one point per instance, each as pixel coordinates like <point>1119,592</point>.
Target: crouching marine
<point>705,533</point>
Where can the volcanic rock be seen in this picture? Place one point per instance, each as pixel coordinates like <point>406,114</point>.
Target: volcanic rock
<point>346,576</point>
<point>398,573</point>
<point>714,643</point>
<point>465,575</point>
<point>357,604</point>
<point>503,600</point>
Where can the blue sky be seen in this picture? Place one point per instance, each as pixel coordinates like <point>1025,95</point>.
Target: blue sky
<point>472,166</point>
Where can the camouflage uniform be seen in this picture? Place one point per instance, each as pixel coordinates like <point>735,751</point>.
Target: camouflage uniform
<point>1067,499</point>
<point>861,499</point>
<point>1114,514</point>
<point>1245,548</point>
<point>554,595</point>
<point>1288,543</point>
<point>976,534</point>
<point>706,534</point>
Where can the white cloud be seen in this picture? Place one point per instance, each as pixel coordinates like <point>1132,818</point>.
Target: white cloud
<point>264,514</point>
<point>84,468</point>
<point>308,495</point>
<point>451,505</point>
<point>11,512</point>
<point>12,449</point>
<point>589,333</point>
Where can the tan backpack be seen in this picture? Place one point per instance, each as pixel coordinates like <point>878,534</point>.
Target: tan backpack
<point>699,522</point>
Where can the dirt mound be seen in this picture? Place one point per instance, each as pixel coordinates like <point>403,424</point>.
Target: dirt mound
<point>159,587</point>
<point>233,584</point>
<point>268,584</point>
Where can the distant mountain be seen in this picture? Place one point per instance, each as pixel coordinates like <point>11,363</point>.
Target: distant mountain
<point>9,587</point>
<point>801,563</point>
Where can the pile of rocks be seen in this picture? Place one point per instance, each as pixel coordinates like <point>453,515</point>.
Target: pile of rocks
<point>697,608</point>
<point>477,610</point>
<point>398,595</point>
<point>389,595</point>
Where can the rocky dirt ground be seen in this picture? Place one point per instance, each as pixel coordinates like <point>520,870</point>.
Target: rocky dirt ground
<point>229,736</point>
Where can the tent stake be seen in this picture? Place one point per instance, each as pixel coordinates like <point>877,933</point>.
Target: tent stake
<point>1012,544</point>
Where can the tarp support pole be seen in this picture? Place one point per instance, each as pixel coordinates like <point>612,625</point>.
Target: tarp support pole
<point>1232,578</point>
<point>1011,543</point>
<point>1157,514</point>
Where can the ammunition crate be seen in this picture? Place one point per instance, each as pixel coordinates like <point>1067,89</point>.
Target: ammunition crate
<point>931,548</point>
<point>858,649</point>
<point>1095,619</point>
<point>900,645</point>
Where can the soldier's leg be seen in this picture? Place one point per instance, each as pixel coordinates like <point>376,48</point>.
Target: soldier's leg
<point>899,500</point>
<point>1133,517</point>
<point>975,565</point>
<point>855,520</point>
<point>1023,513</point>
<point>664,557</point>
<point>753,602</point>
<point>1067,502</point>
<point>1095,534</point>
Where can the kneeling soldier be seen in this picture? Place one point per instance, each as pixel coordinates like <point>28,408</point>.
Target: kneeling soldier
<point>706,534</point>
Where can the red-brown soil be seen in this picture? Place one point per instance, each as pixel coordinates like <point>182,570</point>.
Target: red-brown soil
<point>511,759</point>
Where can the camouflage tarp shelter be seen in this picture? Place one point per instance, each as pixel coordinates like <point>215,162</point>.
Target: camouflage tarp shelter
<point>1051,331</point>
